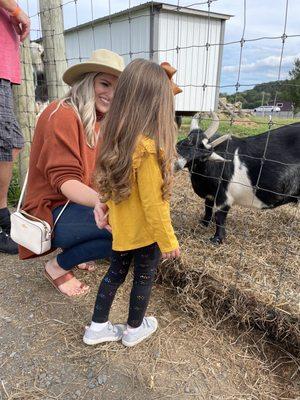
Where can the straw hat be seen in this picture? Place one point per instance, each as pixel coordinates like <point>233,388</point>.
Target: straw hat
<point>102,60</point>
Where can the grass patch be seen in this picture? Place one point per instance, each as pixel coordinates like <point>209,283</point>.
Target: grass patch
<point>242,127</point>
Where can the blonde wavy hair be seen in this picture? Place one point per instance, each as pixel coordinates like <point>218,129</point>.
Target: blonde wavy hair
<point>81,97</point>
<point>143,104</point>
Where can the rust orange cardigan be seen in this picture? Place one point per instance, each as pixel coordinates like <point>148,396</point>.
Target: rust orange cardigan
<point>59,152</point>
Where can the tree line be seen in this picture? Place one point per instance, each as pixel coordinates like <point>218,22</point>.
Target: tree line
<point>263,93</point>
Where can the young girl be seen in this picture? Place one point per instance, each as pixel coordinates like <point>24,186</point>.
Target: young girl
<point>134,174</point>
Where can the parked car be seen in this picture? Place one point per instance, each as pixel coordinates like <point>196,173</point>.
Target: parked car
<point>267,109</point>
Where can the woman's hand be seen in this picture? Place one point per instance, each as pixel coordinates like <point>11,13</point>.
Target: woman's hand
<point>21,23</point>
<point>101,215</point>
<point>171,254</point>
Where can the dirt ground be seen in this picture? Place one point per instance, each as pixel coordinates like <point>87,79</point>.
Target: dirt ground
<point>42,355</point>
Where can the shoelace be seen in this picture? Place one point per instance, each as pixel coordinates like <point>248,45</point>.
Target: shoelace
<point>111,327</point>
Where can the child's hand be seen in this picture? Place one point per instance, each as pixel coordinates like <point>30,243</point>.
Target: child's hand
<point>171,254</point>
<point>101,216</point>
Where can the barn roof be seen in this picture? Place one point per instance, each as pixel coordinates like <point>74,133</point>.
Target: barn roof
<point>155,6</point>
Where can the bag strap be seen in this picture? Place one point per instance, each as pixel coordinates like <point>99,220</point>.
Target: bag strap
<point>22,195</point>
<point>22,192</point>
<point>60,213</point>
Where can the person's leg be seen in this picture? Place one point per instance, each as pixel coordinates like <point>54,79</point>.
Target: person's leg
<point>5,177</point>
<point>146,261</point>
<point>140,327</point>
<point>77,234</point>
<point>11,141</point>
<point>6,168</point>
<point>81,240</point>
<point>115,276</point>
<point>101,330</point>
<point>7,245</point>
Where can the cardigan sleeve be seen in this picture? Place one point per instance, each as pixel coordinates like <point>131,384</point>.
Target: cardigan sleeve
<point>60,156</point>
<point>157,210</point>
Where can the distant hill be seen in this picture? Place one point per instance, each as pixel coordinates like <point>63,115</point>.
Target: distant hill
<point>261,93</point>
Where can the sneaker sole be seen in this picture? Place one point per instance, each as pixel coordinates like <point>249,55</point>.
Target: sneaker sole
<point>92,342</point>
<point>131,344</point>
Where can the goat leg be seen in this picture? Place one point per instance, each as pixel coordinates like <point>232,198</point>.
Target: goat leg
<point>220,218</point>
<point>209,204</point>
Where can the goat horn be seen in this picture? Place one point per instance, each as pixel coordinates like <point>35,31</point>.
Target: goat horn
<point>220,140</point>
<point>213,127</point>
<point>215,157</point>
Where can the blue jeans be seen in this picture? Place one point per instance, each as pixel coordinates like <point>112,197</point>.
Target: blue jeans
<point>77,234</point>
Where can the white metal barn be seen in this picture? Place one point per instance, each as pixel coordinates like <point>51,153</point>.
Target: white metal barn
<point>191,40</point>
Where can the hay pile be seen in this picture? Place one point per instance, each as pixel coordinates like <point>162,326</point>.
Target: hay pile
<point>253,276</point>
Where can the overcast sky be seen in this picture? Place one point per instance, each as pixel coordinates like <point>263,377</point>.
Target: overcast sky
<point>260,59</point>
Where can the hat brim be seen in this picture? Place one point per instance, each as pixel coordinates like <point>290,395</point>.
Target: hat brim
<point>72,74</point>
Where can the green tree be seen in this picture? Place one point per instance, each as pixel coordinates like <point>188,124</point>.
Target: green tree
<point>291,91</point>
<point>295,72</point>
<point>288,90</point>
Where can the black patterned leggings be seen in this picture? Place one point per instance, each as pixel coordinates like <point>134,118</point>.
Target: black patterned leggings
<point>146,260</point>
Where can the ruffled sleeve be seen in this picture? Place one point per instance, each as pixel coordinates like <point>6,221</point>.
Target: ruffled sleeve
<point>145,146</point>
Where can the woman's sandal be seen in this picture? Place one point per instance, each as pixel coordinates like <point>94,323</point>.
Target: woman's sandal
<point>62,279</point>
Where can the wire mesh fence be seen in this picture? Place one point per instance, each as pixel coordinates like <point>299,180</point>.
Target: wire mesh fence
<point>192,38</point>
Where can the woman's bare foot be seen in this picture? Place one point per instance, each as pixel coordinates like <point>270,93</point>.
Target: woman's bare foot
<point>71,288</point>
<point>89,267</point>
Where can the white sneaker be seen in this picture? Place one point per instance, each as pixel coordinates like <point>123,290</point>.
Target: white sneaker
<point>110,333</point>
<point>131,338</point>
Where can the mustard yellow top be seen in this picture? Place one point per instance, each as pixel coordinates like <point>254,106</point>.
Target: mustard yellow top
<point>144,217</point>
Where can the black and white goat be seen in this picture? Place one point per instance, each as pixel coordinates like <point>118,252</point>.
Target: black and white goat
<point>260,171</point>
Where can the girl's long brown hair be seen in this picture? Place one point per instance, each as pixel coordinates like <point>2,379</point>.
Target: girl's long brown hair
<point>143,104</point>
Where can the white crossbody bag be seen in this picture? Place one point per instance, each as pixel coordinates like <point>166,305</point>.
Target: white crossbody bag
<point>30,232</point>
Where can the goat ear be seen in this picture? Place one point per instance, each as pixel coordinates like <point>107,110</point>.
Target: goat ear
<point>215,157</point>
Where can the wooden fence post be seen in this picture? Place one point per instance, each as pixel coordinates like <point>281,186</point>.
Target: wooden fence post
<point>24,105</point>
<point>54,47</point>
